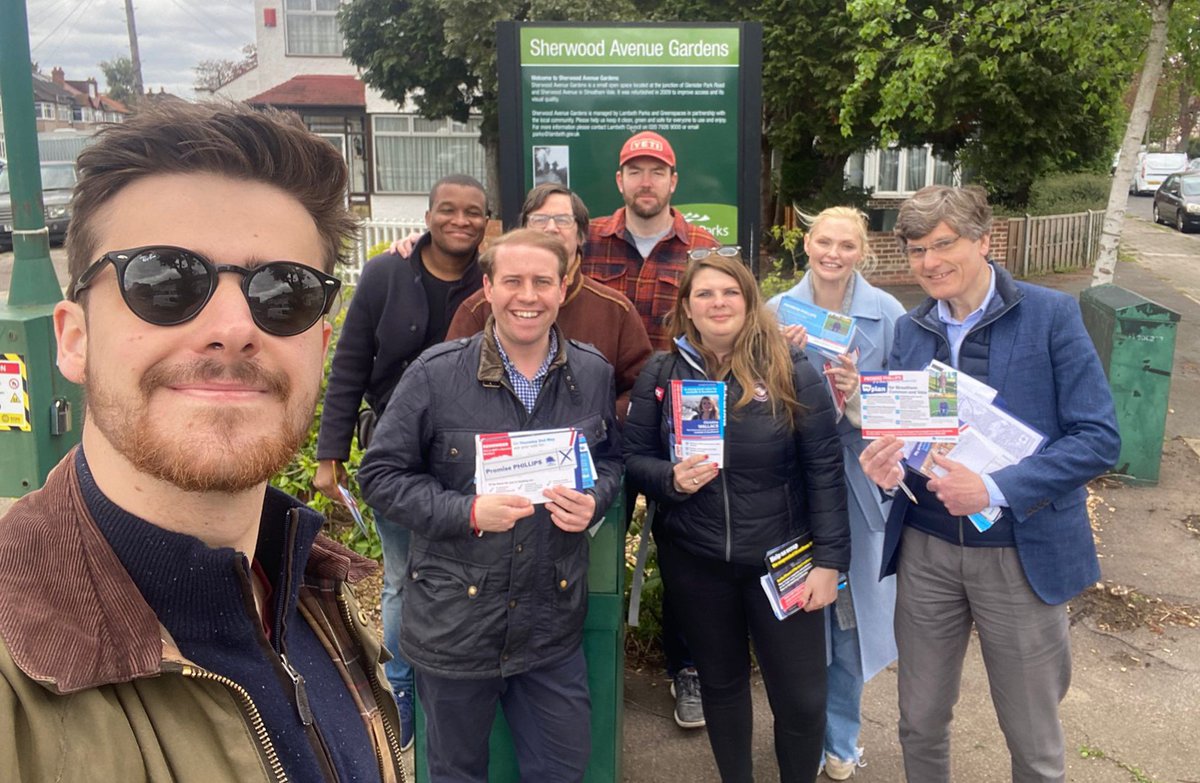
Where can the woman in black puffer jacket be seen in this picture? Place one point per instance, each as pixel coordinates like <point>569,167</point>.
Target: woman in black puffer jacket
<point>782,476</point>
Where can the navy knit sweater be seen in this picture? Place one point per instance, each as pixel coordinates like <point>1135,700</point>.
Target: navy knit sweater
<point>203,597</point>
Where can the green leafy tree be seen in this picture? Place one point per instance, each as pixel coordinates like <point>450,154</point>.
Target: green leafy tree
<point>1016,88</point>
<point>120,81</point>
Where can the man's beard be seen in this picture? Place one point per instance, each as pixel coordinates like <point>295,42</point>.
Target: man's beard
<point>214,461</point>
<point>643,211</point>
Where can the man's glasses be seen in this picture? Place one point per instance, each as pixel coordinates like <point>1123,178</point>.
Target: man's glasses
<point>724,251</point>
<point>561,220</point>
<point>167,286</point>
<point>917,252</point>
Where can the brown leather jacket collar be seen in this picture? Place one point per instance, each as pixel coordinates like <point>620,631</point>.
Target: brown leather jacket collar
<point>70,615</point>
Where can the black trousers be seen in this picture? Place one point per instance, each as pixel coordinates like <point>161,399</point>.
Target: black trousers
<point>722,607</point>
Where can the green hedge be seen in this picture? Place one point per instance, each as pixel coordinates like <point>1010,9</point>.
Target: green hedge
<point>1064,194</point>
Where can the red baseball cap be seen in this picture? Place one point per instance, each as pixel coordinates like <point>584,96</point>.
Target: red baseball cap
<point>647,144</point>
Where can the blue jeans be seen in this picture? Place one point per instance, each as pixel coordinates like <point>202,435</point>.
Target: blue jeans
<point>394,539</point>
<point>843,705</point>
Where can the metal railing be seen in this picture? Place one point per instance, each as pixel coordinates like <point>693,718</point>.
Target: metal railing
<point>1053,243</point>
<point>370,234</point>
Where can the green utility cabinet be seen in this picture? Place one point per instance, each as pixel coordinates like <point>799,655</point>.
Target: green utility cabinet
<point>1135,338</point>
<point>604,649</point>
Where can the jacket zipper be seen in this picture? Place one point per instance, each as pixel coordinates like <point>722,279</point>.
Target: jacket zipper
<point>388,730</point>
<point>257,726</point>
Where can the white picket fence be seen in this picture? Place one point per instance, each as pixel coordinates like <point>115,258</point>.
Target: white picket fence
<point>370,234</point>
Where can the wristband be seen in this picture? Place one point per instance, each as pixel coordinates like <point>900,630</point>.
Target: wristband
<point>475,525</point>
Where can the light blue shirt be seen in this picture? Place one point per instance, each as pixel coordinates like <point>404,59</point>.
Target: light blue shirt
<point>528,389</point>
<point>956,332</point>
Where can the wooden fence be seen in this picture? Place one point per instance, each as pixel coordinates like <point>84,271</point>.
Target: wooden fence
<point>1053,243</point>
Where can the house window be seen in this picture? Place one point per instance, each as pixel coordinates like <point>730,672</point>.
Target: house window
<point>854,170</point>
<point>312,27</point>
<point>916,164</point>
<point>45,111</point>
<point>943,171</point>
<point>412,153</point>
<point>889,170</point>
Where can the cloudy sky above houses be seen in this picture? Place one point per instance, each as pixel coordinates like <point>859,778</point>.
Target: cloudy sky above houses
<point>173,36</point>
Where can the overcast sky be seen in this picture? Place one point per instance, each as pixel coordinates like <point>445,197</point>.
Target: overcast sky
<point>173,36</point>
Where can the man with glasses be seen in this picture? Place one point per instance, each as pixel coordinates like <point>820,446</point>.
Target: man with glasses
<point>401,306</point>
<point>496,589</point>
<point>1010,581</point>
<point>164,615</point>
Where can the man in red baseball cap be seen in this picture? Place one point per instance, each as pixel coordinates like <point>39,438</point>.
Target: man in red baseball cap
<point>641,250</point>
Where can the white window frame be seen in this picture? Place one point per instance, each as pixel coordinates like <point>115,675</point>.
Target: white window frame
<point>289,13</point>
<point>871,171</point>
<point>443,129</point>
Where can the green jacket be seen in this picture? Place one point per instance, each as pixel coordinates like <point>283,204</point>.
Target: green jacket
<point>92,687</point>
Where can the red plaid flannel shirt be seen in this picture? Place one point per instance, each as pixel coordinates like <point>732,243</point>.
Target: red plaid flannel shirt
<point>611,257</point>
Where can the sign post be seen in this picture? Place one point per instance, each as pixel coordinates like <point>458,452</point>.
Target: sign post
<point>570,94</point>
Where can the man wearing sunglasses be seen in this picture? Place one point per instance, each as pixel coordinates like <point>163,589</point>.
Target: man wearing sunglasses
<point>164,615</point>
<point>641,250</point>
<point>402,305</point>
<point>1009,581</point>
<point>496,586</point>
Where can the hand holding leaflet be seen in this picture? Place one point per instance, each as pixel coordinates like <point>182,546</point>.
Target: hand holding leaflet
<point>829,332</point>
<point>352,505</point>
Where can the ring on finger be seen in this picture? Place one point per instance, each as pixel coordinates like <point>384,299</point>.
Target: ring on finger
<point>695,482</point>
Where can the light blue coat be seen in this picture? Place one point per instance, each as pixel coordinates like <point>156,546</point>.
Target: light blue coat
<point>875,313</point>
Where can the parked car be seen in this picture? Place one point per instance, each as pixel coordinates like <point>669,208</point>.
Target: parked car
<point>1153,167</point>
<point>1178,201</point>
<point>58,180</point>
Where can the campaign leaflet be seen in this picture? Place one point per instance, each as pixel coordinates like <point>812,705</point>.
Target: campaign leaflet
<point>829,332</point>
<point>910,404</point>
<point>990,438</point>
<point>788,567</point>
<point>837,395</point>
<point>526,463</point>
<point>698,410</point>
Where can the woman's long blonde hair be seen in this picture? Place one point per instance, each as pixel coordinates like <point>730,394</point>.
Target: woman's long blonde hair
<point>760,353</point>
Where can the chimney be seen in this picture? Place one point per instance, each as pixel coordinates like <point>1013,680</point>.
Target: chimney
<point>93,90</point>
<point>57,75</point>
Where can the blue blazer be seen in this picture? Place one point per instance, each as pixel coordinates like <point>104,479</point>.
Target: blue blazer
<point>1045,368</point>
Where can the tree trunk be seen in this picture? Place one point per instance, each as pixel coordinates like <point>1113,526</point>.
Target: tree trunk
<point>1187,114</point>
<point>491,167</point>
<point>1118,196</point>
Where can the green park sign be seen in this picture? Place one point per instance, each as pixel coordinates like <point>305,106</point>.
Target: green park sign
<point>570,94</point>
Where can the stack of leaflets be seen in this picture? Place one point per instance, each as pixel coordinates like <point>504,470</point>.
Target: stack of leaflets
<point>526,463</point>
<point>916,405</point>
<point>829,332</point>
<point>698,411</point>
<point>990,438</point>
<point>788,567</point>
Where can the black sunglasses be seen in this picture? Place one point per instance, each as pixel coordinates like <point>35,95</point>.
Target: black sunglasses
<point>167,286</point>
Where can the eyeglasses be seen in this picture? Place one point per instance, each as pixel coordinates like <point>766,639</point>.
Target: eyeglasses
<point>917,252</point>
<point>724,251</point>
<point>168,286</point>
<point>561,220</point>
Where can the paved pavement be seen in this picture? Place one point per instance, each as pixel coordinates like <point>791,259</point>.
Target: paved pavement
<point>1132,712</point>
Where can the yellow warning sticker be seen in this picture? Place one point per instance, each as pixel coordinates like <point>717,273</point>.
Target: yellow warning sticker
<point>14,393</point>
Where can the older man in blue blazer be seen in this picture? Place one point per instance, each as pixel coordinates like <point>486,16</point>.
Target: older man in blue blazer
<point>1011,581</point>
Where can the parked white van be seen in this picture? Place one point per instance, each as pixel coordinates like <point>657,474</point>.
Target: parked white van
<point>1153,167</point>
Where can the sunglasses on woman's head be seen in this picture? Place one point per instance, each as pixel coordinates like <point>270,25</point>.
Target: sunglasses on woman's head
<point>168,286</point>
<point>724,251</point>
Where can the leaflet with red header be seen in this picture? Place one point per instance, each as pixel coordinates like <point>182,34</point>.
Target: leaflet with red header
<point>910,404</point>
